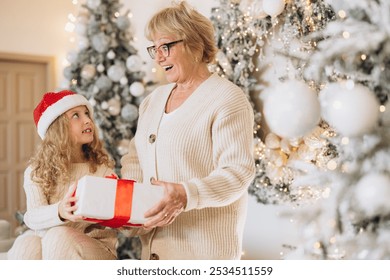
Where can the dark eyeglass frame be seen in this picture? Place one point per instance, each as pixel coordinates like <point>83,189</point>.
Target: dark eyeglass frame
<point>167,45</point>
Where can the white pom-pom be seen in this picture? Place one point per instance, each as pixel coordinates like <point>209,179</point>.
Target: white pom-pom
<point>373,194</point>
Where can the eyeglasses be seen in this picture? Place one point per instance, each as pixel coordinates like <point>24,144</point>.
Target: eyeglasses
<point>163,49</point>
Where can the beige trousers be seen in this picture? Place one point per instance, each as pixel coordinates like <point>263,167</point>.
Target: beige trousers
<point>64,243</point>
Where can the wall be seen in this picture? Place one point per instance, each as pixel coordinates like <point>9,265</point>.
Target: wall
<point>37,27</point>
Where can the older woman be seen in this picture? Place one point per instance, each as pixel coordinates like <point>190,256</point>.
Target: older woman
<point>194,138</point>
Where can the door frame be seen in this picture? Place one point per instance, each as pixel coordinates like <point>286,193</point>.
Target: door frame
<point>48,61</point>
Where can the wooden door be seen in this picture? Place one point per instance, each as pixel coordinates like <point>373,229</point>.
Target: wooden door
<point>23,80</point>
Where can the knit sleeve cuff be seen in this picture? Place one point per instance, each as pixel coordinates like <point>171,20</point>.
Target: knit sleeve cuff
<point>192,195</point>
<point>59,220</point>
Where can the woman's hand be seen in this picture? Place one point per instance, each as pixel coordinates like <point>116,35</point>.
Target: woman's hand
<point>67,206</point>
<point>170,206</point>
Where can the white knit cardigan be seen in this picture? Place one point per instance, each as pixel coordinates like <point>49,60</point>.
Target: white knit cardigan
<point>207,145</point>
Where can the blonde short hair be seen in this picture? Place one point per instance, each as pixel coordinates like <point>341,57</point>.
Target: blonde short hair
<point>193,28</point>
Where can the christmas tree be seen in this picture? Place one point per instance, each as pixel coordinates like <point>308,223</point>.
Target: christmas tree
<point>352,66</point>
<point>290,107</point>
<point>245,43</point>
<point>107,70</point>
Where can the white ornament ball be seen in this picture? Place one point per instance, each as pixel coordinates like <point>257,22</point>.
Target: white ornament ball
<point>81,29</point>
<point>285,146</point>
<point>100,68</point>
<point>257,10</point>
<point>88,71</point>
<point>95,89</point>
<point>272,141</point>
<point>137,89</point>
<point>123,81</point>
<point>273,7</point>
<point>291,109</point>
<point>71,56</point>
<point>92,101</point>
<point>134,63</point>
<point>83,43</point>
<point>93,4</point>
<point>116,72</point>
<point>104,105</point>
<point>129,112</point>
<point>114,106</point>
<point>373,194</point>
<point>111,54</point>
<point>123,146</point>
<point>123,22</point>
<point>350,109</point>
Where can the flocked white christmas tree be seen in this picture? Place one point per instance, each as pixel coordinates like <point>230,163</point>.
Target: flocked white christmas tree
<point>107,70</point>
<point>244,31</point>
<point>352,66</point>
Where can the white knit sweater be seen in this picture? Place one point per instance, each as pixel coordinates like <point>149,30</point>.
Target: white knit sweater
<point>206,145</point>
<point>41,214</point>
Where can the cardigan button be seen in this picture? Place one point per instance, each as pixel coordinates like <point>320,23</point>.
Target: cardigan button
<point>152,138</point>
<point>154,257</point>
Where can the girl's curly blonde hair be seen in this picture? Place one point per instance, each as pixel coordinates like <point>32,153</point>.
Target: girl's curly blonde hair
<point>52,161</point>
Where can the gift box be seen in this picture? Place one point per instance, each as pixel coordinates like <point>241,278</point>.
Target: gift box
<point>115,202</point>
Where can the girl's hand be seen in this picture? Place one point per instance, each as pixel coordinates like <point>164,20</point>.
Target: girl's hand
<point>67,206</point>
<point>170,206</point>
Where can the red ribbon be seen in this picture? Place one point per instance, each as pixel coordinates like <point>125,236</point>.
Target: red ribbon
<point>123,203</point>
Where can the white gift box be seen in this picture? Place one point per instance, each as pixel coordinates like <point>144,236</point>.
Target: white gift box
<point>107,199</point>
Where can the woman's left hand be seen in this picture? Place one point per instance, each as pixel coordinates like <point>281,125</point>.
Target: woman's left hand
<point>170,206</point>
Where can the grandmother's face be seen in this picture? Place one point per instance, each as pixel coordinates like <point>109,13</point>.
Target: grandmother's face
<point>178,66</point>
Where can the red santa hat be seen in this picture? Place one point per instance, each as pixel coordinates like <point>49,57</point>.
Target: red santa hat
<point>54,104</point>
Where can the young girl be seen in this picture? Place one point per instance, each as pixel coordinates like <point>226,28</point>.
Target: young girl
<point>70,149</point>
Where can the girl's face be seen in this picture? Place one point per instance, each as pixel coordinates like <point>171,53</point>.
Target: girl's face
<point>81,127</point>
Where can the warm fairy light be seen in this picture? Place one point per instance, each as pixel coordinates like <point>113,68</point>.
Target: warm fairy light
<point>317,245</point>
<point>75,2</point>
<point>331,165</point>
<point>72,18</point>
<point>363,57</point>
<point>346,35</point>
<point>382,108</point>
<point>345,140</point>
<point>69,27</point>
<point>342,14</point>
